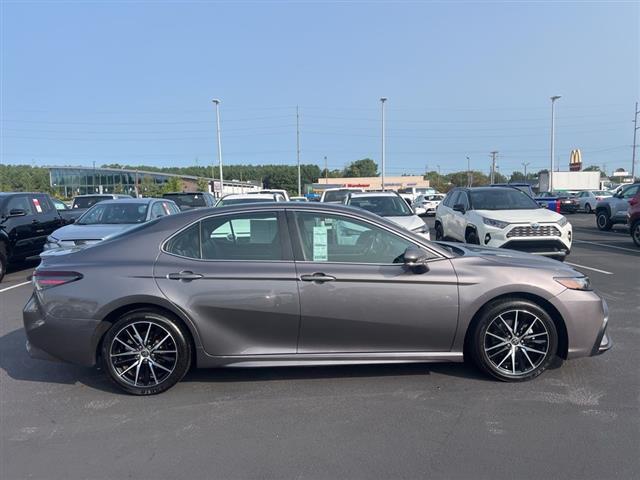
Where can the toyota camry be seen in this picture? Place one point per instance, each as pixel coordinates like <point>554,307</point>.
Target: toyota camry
<point>279,284</point>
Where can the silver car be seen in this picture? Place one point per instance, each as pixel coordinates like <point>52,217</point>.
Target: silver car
<point>107,219</point>
<point>303,284</point>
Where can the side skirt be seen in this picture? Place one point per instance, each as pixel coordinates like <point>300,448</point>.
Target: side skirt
<point>316,359</point>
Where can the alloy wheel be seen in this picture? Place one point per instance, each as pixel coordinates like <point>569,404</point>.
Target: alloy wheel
<point>516,342</point>
<point>636,233</point>
<point>143,354</point>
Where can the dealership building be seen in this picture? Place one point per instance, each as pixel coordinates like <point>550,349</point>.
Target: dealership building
<point>70,181</point>
<point>371,183</point>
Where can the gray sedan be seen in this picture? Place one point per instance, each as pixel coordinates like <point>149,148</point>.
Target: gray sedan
<point>303,284</point>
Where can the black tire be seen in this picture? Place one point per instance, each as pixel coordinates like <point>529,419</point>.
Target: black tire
<point>472,237</point>
<point>169,369</point>
<point>439,231</point>
<point>3,261</point>
<point>527,365</point>
<point>587,208</point>
<point>635,233</point>
<point>603,220</point>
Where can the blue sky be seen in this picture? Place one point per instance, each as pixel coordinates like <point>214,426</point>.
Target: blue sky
<point>132,82</point>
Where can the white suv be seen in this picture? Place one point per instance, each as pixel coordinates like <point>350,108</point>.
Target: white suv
<point>502,217</point>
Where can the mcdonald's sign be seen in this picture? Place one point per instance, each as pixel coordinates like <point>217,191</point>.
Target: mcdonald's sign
<point>575,160</point>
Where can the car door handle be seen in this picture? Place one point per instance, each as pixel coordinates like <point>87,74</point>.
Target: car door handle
<point>317,277</point>
<point>184,275</point>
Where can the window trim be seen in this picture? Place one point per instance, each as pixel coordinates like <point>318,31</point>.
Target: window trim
<point>298,252</point>
<point>282,226</point>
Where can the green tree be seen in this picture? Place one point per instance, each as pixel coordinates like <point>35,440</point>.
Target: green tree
<point>203,185</point>
<point>362,168</point>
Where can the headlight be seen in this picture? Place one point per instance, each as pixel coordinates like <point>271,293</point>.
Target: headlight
<point>575,283</point>
<point>52,239</point>
<point>421,229</point>
<point>563,221</point>
<point>494,223</point>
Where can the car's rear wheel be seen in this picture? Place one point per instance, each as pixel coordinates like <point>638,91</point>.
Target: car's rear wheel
<point>603,221</point>
<point>439,231</point>
<point>514,340</point>
<point>146,352</point>
<point>587,208</point>
<point>635,233</point>
<point>3,262</point>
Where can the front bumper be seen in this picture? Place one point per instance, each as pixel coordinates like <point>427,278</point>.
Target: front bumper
<point>68,340</point>
<point>538,243</point>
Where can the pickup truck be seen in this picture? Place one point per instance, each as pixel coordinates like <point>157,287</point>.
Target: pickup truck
<point>26,220</point>
<point>558,202</point>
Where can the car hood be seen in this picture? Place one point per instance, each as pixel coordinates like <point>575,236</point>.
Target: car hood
<point>539,215</point>
<point>90,232</point>
<point>409,222</point>
<point>514,258</point>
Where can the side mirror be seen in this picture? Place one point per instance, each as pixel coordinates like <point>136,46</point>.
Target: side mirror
<point>17,212</point>
<point>458,207</point>
<point>420,211</point>
<point>416,259</point>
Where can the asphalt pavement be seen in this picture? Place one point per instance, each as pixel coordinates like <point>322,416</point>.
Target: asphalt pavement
<point>580,421</point>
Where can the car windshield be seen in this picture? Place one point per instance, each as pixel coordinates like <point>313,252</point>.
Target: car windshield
<point>386,206</point>
<point>501,199</point>
<point>336,195</point>
<point>601,192</point>
<point>114,213</point>
<point>87,202</point>
<point>187,200</point>
<point>236,201</point>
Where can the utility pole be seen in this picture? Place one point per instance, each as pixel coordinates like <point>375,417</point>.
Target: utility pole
<point>469,181</point>
<point>326,171</point>
<point>525,165</point>
<point>553,140</point>
<point>217,103</point>
<point>298,150</point>
<point>633,152</point>
<point>493,166</point>
<point>382,100</point>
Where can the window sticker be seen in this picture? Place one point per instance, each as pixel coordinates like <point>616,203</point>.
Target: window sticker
<point>320,251</point>
<point>36,203</point>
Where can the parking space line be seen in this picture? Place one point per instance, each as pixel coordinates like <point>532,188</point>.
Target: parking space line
<point>609,246</point>
<point>589,268</point>
<point>14,286</point>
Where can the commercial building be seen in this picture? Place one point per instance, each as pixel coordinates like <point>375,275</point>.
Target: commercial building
<point>371,183</point>
<point>70,181</point>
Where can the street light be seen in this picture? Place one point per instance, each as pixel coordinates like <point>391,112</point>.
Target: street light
<point>382,100</point>
<point>553,140</point>
<point>468,172</point>
<point>217,103</point>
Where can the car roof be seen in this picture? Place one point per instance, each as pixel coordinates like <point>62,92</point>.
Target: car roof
<point>184,193</point>
<point>374,194</point>
<point>249,195</point>
<point>141,201</point>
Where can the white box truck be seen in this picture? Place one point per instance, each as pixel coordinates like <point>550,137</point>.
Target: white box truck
<point>570,181</point>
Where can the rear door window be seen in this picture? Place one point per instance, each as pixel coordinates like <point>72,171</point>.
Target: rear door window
<point>41,204</point>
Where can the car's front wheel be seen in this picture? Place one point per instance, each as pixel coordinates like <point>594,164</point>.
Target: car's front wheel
<point>635,233</point>
<point>603,221</point>
<point>587,208</point>
<point>146,352</point>
<point>439,231</point>
<point>514,340</point>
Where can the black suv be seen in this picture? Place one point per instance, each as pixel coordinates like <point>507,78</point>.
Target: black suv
<point>26,219</point>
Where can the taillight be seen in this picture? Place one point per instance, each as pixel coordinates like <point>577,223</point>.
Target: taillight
<point>558,205</point>
<point>633,201</point>
<point>48,278</point>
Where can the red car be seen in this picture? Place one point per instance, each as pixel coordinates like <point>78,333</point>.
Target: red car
<point>634,218</point>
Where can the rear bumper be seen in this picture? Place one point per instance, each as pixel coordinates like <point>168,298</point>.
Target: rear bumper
<point>68,340</point>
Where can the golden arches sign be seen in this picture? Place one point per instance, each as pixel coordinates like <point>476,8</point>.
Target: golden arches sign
<point>575,160</point>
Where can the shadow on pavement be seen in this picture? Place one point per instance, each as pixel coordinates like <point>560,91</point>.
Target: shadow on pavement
<point>15,361</point>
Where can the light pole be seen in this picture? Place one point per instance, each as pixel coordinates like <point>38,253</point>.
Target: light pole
<point>525,165</point>
<point>553,140</point>
<point>382,100</point>
<point>468,172</point>
<point>298,150</point>
<point>217,103</point>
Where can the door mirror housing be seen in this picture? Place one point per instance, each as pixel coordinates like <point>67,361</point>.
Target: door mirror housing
<point>459,207</point>
<point>17,212</point>
<point>420,210</point>
<point>416,259</point>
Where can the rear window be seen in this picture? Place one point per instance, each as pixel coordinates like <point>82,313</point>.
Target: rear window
<point>187,200</point>
<point>336,195</point>
<point>236,201</point>
<point>86,202</point>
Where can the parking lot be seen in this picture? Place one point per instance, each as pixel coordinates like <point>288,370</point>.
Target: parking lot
<point>407,421</point>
